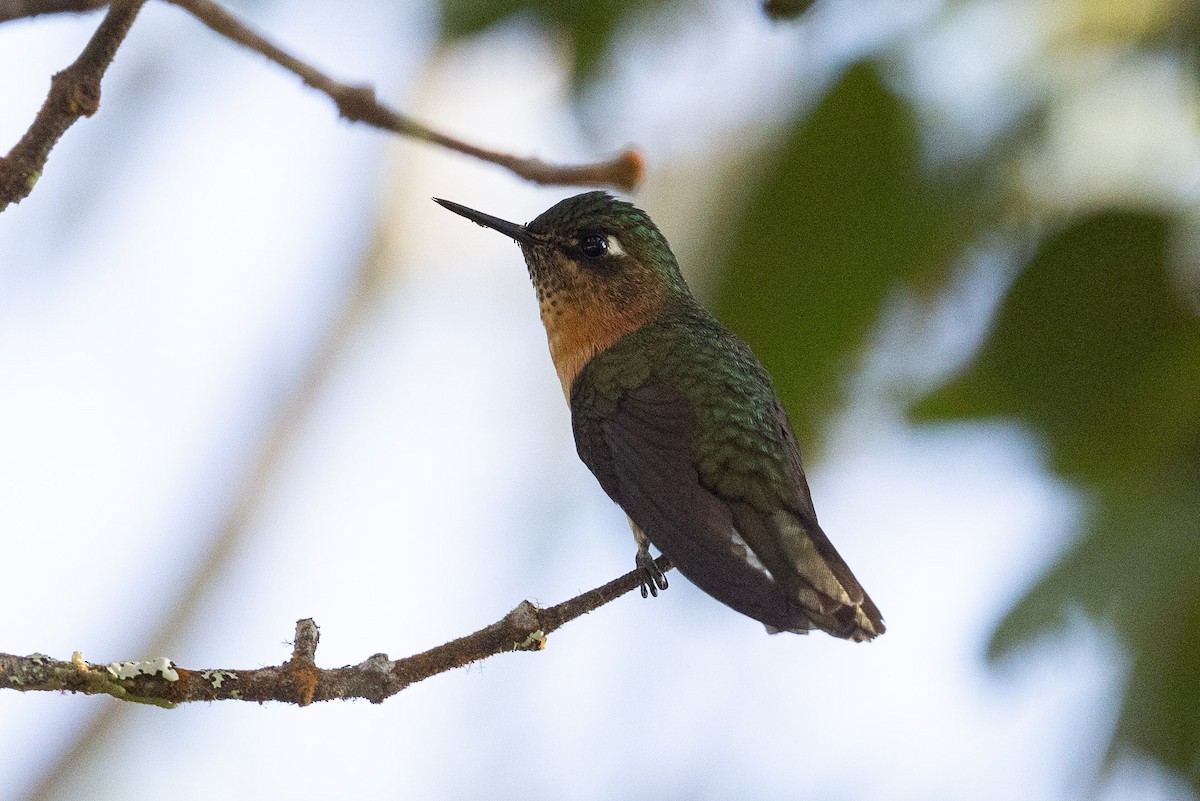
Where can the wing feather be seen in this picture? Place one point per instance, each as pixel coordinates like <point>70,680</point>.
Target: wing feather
<point>642,456</point>
<point>812,554</point>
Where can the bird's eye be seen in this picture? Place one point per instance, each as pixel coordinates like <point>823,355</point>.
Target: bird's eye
<point>593,245</point>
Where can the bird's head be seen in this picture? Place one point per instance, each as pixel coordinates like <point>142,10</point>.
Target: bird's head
<point>590,244</point>
<point>601,269</point>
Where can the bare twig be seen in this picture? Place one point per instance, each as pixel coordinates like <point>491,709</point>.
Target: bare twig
<point>21,9</point>
<point>308,636</point>
<point>74,93</point>
<point>358,104</point>
<point>299,681</point>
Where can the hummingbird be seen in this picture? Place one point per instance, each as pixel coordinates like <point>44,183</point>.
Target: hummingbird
<point>679,421</point>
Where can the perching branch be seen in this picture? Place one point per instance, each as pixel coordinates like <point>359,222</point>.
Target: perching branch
<point>358,104</point>
<point>74,93</point>
<point>299,681</point>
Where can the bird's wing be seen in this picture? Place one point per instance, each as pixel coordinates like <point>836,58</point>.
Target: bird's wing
<point>806,516</point>
<point>794,548</point>
<point>642,456</point>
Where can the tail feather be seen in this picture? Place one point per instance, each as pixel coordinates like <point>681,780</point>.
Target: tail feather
<point>809,571</point>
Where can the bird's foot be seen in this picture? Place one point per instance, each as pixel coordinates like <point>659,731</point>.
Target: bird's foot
<point>653,579</point>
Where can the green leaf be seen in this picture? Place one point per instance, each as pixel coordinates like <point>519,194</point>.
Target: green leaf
<point>589,24</point>
<point>841,216</point>
<point>1093,348</point>
<point>1140,550</point>
<point>1096,352</point>
<point>1136,570</point>
<point>1160,714</point>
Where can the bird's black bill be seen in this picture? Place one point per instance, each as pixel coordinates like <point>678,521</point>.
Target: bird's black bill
<point>517,232</point>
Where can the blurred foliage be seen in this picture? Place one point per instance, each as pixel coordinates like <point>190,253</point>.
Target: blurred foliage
<point>1147,24</point>
<point>840,216</point>
<point>1095,350</point>
<point>588,24</point>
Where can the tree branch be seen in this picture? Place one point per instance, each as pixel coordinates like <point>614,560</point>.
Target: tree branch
<point>74,93</point>
<point>299,681</point>
<point>358,104</point>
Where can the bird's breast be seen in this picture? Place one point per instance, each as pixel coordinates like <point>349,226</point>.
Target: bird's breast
<point>579,328</point>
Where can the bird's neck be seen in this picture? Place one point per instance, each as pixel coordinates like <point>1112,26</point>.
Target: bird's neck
<point>579,327</point>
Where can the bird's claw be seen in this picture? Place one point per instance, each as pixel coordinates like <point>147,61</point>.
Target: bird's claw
<point>653,579</point>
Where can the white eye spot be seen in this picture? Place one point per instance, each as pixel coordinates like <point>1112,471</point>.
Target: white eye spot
<point>614,246</point>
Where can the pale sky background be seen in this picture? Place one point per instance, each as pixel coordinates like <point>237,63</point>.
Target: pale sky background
<point>166,281</point>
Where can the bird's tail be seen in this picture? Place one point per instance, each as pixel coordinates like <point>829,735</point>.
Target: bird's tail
<point>810,572</point>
